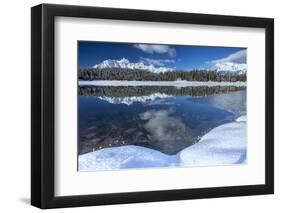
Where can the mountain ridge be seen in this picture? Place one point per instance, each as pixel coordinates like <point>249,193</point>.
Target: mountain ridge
<point>224,67</point>
<point>126,64</point>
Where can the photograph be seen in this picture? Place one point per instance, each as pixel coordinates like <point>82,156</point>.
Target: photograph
<point>143,106</point>
<point>136,105</point>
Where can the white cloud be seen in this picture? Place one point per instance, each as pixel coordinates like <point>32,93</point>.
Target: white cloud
<point>153,48</point>
<point>237,57</point>
<point>163,125</point>
<point>156,62</point>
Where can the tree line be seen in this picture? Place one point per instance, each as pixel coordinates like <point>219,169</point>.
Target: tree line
<point>144,75</point>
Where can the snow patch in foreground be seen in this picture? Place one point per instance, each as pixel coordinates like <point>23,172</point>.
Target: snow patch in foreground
<point>125,157</point>
<point>161,83</point>
<point>224,145</point>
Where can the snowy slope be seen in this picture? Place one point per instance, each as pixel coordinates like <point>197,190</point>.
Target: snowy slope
<point>224,145</point>
<point>125,157</point>
<point>230,67</point>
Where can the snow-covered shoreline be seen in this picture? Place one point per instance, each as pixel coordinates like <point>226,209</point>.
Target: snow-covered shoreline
<point>161,83</point>
<point>224,145</point>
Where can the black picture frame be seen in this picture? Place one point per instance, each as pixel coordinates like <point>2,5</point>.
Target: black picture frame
<point>43,102</point>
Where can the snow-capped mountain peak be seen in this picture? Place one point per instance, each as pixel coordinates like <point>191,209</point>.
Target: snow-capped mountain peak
<point>230,67</point>
<point>112,63</point>
<point>126,64</point>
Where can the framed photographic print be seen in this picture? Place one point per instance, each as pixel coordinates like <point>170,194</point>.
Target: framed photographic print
<point>139,106</point>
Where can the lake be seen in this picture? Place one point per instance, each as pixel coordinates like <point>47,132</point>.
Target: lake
<point>163,118</point>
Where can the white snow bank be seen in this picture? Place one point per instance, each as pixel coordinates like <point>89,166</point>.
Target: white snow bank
<point>160,83</point>
<point>224,145</point>
<point>131,100</point>
<point>124,157</point>
<point>242,119</point>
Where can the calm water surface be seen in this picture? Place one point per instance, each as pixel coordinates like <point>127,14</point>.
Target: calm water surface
<point>167,119</point>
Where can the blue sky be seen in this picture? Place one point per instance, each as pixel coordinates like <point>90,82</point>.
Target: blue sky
<point>179,57</point>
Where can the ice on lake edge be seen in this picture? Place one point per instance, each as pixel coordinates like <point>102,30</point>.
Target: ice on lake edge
<point>224,145</point>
